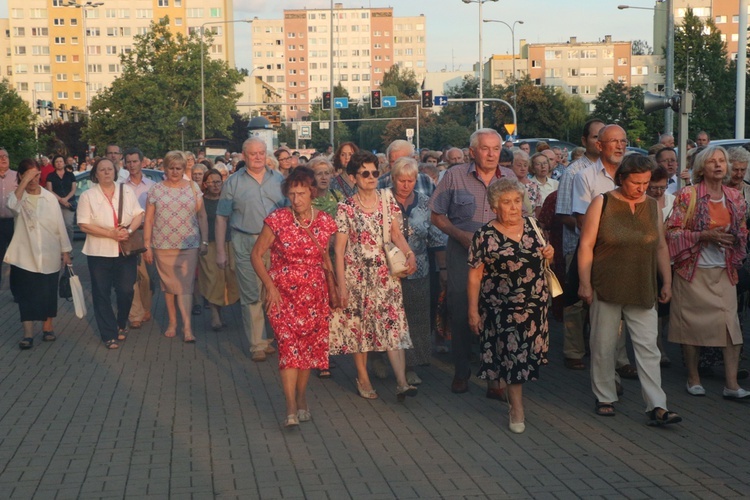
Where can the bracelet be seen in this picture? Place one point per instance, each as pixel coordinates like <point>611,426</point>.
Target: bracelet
<point>204,243</point>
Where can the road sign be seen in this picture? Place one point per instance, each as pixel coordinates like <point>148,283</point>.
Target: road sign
<point>441,100</point>
<point>510,127</point>
<point>389,101</point>
<point>305,132</point>
<point>341,102</point>
<point>409,133</point>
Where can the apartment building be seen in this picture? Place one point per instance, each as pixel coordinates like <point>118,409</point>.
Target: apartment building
<point>580,68</point>
<point>725,13</point>
<point>295,53</point>
<point>66,54</point>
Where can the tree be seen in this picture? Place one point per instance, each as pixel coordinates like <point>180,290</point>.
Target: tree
<point>63,138</point>
<point>641,48</point>
<point>701,65</point>
<point>160,83</point>
<point>16,126</point>
<point>623,105</point>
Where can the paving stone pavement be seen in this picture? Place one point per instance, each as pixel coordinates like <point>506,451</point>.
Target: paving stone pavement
<point>162,419</point>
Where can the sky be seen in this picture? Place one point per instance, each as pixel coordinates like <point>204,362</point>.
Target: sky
<point>452,26</point>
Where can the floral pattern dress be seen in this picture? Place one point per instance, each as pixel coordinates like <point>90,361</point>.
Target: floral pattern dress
<point>300,323</point>
<point>175,218</point>
<point>513,302</point>
<point>375,318</point>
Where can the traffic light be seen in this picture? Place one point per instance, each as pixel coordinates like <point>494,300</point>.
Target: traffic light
<point>375,102</point>
<point>39,105</point>
<point>326,100</point>
<point>74,112</point>
<point>427,98</point>
<point>51,108</point>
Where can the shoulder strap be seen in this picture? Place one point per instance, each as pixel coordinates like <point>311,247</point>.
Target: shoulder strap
<point>539,235</point>
<point>315,240</point>
<point>386,216</point>
<point>690,212</point>
<point>119,203</point>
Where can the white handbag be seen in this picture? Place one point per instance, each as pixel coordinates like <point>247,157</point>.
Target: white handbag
<point>77,290</point>
<point>555,288</point>
<point>394,257</point>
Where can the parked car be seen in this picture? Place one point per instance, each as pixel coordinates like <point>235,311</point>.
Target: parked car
<point>553,143</point>
<point>83,182</point>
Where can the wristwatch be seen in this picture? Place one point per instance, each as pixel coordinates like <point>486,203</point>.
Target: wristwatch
<point>130,231</point>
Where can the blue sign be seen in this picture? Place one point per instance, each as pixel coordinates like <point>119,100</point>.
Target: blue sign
<point>389,101</point>
<point>341,102</point>
<point>441,100</point>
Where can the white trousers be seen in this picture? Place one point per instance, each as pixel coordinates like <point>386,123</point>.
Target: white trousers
<point>642,325</point>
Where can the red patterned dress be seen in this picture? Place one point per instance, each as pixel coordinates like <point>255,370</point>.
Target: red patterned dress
<point>300,323</point>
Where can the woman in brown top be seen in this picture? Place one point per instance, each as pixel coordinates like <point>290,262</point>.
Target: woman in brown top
<point>621,248</point>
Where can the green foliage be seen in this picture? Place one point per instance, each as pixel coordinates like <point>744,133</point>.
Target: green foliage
<point>16,126</point>
<point>160,84</point>
<point>701,62</point>
<point>623,105</point>
<point>440,135</point>
<point>64,138</point>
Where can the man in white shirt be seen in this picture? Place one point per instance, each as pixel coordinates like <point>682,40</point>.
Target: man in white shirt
<point>667,158</point>
<point>8,184</point>
<point>140,311</point>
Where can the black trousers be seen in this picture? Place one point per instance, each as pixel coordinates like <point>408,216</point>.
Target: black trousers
<point>107,273</point>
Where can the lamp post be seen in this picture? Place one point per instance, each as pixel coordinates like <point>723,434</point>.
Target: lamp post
<point>203,82</point>
<point>669,56</point>
<point>88,5</point>
<point>512,29</point>
<point>481,62</point>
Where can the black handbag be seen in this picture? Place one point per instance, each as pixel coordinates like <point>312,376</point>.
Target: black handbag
<point>134,244</point>
<point>64,288</point>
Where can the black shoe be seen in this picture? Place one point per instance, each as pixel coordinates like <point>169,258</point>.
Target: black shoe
<point>26,343</point>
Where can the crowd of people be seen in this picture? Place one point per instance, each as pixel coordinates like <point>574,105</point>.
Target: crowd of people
<point>646,251</point>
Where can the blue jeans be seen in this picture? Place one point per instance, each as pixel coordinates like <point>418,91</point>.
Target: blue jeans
<point>107,273</point>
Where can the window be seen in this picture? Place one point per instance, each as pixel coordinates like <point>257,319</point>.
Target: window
<point>91,13</point>
<point>43,86</point>
<point>622,79</point>
<point>178,21</point>
<point>93,32</point>
<point>60,40</point>
<point>178,3</point>
<point>588,72</point>
<point>609,71</point>
<point>536,63</point>
<point>163,3</point>
<point>111,50</point>
<point>574,89</point>
<point>61,77</point>
<point>608,53</point>
<point>62,95</point>
<point>61,58</point>
<point>21,69</point>
<point>17,31</point>
<point>58,21</point>
<point>95,68</point>
<point>76,77</point>
<point>58,3</point>
<point>41,68</point>
<point>16,13</point>
<point>20,50</point>
<point>73,21</point>
<point>123,13</point>
<point>721,19</point>
<point>589,89</point>
<point>124,31</point>
<point>144,13</point>
<point>94,50</point>
<point>639,70</point>
<point>74,40</point>
<point>552,73</point>
<point>622,61</point>
<point>217,49</point>
<point>113,32</point>
<point>588,54</point>
<point>40,50</point>
<point>23,86</point>
<point>195,12</point>
<point>215,12</point>
<point>75,58</point>
<point>110,13</point>
<point>38,13</point>
<point>114,68</point>
<point>139,31</point>
<point>39,31</point>
<point>552,54</point>
<point>76,95</point>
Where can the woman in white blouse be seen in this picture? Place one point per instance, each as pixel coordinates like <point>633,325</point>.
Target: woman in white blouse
<point>39,241</point>
<point>98,217</point>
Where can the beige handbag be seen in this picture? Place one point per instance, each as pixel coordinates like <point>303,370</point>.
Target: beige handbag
<point>395,258</point>
<point>555,289</point>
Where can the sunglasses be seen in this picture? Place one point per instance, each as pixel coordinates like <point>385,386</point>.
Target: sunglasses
<point>367,173</point>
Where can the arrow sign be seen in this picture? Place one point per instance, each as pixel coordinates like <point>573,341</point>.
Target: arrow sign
<point>441,100</point>
<point>341,102</point>
<point>388,101</point>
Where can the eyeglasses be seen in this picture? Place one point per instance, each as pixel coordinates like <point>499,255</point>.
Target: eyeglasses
<point>214,183</point>
<point>367,173</point>
<point>657,188</point>
<point>616,142</point>
<point>286,158</point>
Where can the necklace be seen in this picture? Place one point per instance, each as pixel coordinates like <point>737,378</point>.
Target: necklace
<point>520,232</point>
<point>365,206</point>
<point>299,224</point>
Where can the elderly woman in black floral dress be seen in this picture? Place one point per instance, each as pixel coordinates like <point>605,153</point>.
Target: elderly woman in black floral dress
<point>508,296</point>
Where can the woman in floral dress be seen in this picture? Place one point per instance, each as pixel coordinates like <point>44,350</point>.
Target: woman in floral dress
<point>373,317</point>
<point>297,297</point>
<point>508,296</point>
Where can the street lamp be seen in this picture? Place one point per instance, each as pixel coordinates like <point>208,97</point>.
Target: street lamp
<point>512,29</point>
<point>481,62</point>
<point>83,7</point>
<point>203,82</point>
<point>669,56</point>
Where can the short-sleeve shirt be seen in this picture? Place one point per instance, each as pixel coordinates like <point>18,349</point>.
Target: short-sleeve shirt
<point>247,202</point>
<point>424,185</point>
<point>61,186</point>
<point>141,189</point>
<point>462,196</point>
<point>588,184</point>
<point>175,217</point>
<point>565,201</point>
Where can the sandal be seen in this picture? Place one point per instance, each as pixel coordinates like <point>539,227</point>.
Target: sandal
<point>304,415</point>
<point>291,421</point>
<point>574,364</point>
<point>122,334</point>
<point>48,337</point>
<point>668,417</point>
<point>112,344</point>
<point>371,394</point>
<point>628,371</point>
<point>324,374</point>
<point>407,390</point>
<point>604,409</point>
<point>26,343</point>
<point>197,310</point>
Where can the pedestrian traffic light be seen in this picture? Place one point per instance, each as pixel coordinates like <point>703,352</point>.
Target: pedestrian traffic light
<point>427,98</point>
<point>51,108</point>
<point>39,105</point>
<point>375,102</point>
<point>326,100</point>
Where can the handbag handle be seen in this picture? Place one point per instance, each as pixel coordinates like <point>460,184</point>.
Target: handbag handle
<point>322,252</point>
<point>119,203</point>
<point>539,235</point>
<point>386,217</point>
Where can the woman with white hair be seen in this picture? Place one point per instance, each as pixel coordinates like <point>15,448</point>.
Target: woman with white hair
<point>421,236</point>
<point>520,167</point>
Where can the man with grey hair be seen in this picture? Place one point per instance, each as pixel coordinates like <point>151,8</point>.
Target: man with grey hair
<point>398,149</point>
<point>460,207</point>
<point>666,140</point>
<point>246,199</point>
<point>454,156</point>
<point>8,184</point>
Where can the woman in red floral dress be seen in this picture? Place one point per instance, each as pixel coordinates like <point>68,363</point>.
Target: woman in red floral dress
<point>297,297</point>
